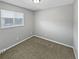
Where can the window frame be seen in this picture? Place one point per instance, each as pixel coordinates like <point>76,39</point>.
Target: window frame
<point>14,25</point>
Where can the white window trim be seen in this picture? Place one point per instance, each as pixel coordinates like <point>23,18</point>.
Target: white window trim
<point>14,25</point>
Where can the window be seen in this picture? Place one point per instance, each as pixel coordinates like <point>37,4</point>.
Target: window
<point>8,21</point>
<point>11,19</point>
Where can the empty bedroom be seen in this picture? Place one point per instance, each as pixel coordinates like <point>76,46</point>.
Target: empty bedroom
<point>38,29</point>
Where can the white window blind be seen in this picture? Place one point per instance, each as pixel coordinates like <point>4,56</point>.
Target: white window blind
<point>11,18</point>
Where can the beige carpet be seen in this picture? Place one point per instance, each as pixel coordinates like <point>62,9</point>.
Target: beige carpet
<point>37,48</point>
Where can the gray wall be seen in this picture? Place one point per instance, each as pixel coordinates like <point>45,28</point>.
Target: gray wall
<point>56,24</point>
<point>11,36</point>
<point>75,28</point>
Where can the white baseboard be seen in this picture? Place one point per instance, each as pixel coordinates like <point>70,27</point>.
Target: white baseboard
<point>76,55</point>
<point>53,41</point>
<point>1,51</point>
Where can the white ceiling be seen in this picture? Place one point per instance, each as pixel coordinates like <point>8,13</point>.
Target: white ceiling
<point>44,4</point>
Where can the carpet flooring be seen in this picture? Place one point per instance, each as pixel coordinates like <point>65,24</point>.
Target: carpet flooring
<point>37,48</point>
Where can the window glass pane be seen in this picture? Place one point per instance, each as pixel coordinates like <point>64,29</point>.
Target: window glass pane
<point>18,21</point>
<point>7,14</point>
<point>8,21</point>
<point>19,15</point>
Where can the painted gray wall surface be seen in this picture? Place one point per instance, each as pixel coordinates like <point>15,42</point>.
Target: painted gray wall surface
<point>56,24</point>
<point>11,36</point>
<point>75,28</point>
